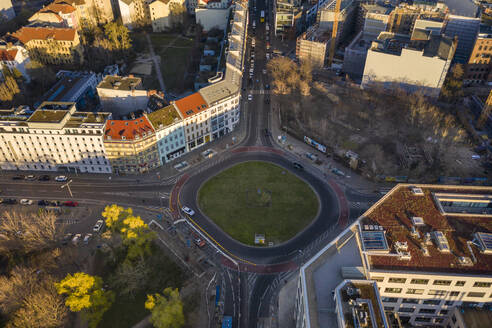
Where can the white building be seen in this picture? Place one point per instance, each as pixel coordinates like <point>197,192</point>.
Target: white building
<point>428,247</point>
<point>53,138</point>
<point>161,13</point>
<point>14,57</point>
<point>134,12</point>
<point>122,95</point>
<point>396,60</point>
<point>6,10</point>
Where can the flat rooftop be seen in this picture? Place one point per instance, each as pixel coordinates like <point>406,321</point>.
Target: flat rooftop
<point>78,119</point>
<point>164,116</point>
<point>432,228</point>
<point>68,85</point>
<point>363,42</point>
<point>377,8</point>
<point>124,83</point>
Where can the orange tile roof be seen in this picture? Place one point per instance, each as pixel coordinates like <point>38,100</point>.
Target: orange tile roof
<point>191,105</point>
<point>64,8</point>
<point>26,34</point>
<point>8,54</point>
<point>129,129</point>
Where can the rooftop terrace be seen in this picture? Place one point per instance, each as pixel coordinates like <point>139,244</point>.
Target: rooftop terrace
<point>432,228</point>
<point>120,83</point>
<point>164,116</point>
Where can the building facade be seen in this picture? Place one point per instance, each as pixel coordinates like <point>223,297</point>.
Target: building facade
<point>52,46</point>
<point>14,57</point>
<point>56,14</point>
<point>478,69</point>
<point>131,145</point>
<point>466,29</point>
<point>161,14</point>
<point>411,64</point>
<point>122,95</point>
<point>55,137</point>
<point>170,133</point>
<point>135,12</point>
<point>312,46</point>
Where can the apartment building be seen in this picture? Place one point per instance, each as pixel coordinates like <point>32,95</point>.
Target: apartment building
<point>56,14</point>
<point>55,137</point>
<point>373,18</point>
<point>170,133</point>
<point>212,14</point>
<point>428,248</point>
<point>52,46</point>
<point>131,145</point>
<point>122,95</point>
<point>135,12</point>
<point>478,69</point>
<point>284,12</point>
<point>93,11</point>
<point>466,29</point>
<point>395,59</point>
<point>466,317</point>
<point>161,14</point>
<point>312,46</point>
<point>14,57</point>
<point>346,18</point>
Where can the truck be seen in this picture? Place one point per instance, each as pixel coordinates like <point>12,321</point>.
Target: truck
<point>262,16</point>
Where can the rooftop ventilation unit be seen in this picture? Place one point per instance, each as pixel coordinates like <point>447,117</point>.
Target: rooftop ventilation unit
<point>401,245</point>
<point>465,261</point>
<point>417,191</point>
<point>484,240</point>
<point>425,251</point>
<point>417,221</point>
<point>404,255</point>
<point>427,238</point>
<point>353,292</point>
<point>414,233</point>
<point>441,241</point>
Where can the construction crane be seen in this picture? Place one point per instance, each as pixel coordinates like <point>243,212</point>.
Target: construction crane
<point>334,33</point>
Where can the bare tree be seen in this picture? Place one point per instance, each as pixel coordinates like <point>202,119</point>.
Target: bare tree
<point>15,287</point>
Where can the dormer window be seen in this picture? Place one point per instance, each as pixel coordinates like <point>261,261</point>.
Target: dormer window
<point>123,138</point>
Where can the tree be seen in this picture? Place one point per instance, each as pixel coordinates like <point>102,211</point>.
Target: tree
<point>166,310</point>
<point>129,279</point>
<point>40,73</point>
<point>118,35</point>
<point>85,293</point>
<point>452,90</point>
<point>177,16</point>
<point>15,287</point>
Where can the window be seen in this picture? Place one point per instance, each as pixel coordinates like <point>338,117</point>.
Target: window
<point>419,281</point>
<point>378,279</point>
<point>397,280</point>
<point>449,303</point>
<point>410,301</point>
<point>427,311</point>
<point>389,308</point>
<point>392,290</point>
<point>460,283</point>
<point>444,312</point>
<point>482,284</point>
<point>406,310</point>
<point>453,293</point>
<point>422,319</point>
<point>475,294</point>
<point>389,299</point>
<point>432,302</point>
<point>415,291</point>
<point>453,318</point>
<point>437,292</point>
<point>439,320</point>
<point>442,282</point>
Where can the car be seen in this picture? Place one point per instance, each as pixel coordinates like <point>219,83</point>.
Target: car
<point>66,238</point>
<point>61,178</point>
<point>55,203</point>
<point>267,56</point>
<point>188,210</point>
<point>25,201</point>
<point>250,97</point>
<point>44,178</point>
<point>97,227</point>
<point>298,166</point>
<point>264,71</point>
<point>267,133</point>
<point>475,156</point>
<point>76,239</point>
<point>267,86</point>
<point>9,201</point>
<point>87,238</point>
<point>30,177</point>
<point>311,156</point>
<point>70,203</point>
<point>198,241</point>
<point>18,177</point>
<point>43,202</point>
<point>267,100</point>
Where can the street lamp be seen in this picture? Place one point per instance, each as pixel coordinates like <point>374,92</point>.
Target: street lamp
<point>68,187</point>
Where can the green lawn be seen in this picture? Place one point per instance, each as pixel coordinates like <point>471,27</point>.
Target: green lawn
<point>174,60</point>
<point>258,197</point>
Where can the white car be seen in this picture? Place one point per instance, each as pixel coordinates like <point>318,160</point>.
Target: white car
<point>87,238</point>
<point>25,201</point>
<point>76,239</point>
<point>264,71</point>
<point>61,178</point>
<point>188,211</point>
<point>250,97</point>
<point>97,227</point>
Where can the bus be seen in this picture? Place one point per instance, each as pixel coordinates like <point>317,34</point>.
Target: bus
<point>262,16</point>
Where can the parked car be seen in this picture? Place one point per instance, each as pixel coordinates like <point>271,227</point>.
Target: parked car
<point>9,201</point>
<point>311,156</point>
<point>18,177</point>
<point>70,203</point>
<point>267,133</point>
<point>43,202</point>
<point>67,238</point>
<point>98,226</point>
<point>188,211</point>
<point>61,178</point>
<point>44,178</point>
<point>87,238</point>
<point>298,166</point>
<point>76,239</point>
<point>25,201</point>
<point>264,71</point>
<point>198,241</point>
<point>30,177</point>
<point>250,97</point>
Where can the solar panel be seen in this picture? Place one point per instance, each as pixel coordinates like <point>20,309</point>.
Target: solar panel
<point>374,241</point>
<point>441,241</point>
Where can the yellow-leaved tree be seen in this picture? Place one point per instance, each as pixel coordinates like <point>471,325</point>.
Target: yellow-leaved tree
<point>85,293</point>
<point>166,309</point>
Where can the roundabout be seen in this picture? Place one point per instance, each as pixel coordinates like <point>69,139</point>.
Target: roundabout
<point>327,214</point>
<point>258,199</point>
